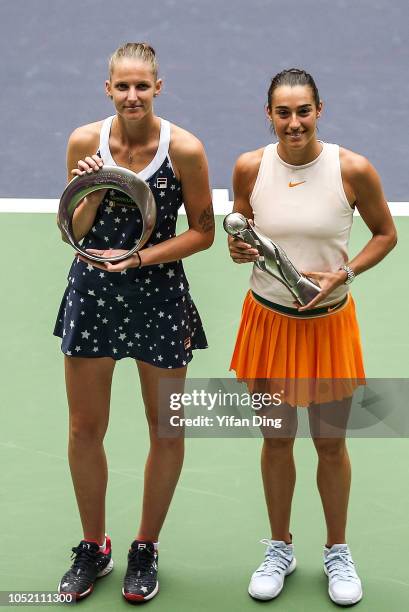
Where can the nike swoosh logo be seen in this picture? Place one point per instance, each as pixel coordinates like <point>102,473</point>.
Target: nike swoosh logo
<point>331,308</point>
<point>290,184</point>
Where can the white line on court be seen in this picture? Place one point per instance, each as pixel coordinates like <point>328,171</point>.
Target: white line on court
<point>221,205</point>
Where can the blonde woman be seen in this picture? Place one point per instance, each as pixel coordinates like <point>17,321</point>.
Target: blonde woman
<point>139,308</point>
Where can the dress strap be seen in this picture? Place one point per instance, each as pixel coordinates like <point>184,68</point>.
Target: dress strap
<point>157,161</point>
<point>104,150</point>
<point>161,153</point>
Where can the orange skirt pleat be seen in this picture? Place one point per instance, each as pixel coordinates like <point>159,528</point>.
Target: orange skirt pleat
<point>271,345</point>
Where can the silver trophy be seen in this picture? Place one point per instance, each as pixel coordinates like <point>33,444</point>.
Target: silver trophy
<point>108,177</point>
<point>272,258</point>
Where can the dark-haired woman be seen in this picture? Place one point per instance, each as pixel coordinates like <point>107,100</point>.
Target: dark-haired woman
<point>302,192</point>
<point>138,308</point>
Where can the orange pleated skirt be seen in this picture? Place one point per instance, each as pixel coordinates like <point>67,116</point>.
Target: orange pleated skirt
<point>271,345</point>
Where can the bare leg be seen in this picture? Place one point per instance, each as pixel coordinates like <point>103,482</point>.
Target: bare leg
<point>334,468</point>
<point>165,458</point>
<point>88,383</point>
<point>278,471</point>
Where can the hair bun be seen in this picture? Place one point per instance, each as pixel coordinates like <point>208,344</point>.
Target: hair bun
<point>138,51</point>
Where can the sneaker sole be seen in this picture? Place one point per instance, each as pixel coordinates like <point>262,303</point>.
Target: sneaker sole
<point>101,574</point>
<point>343,602</point>
<point>107,569</point>
<point>140,598</point>
<point>289,571</point>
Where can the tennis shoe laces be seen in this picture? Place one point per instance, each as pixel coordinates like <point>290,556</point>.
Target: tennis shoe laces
<point>89,564</point>
<point>141,578</point>
<point>344,585</point>
<point>268,580</point>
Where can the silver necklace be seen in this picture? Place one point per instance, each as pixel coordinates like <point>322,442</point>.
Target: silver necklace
<point>130,157</point>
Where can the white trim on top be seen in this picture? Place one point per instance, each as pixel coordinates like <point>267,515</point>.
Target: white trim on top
<point>154,164</point>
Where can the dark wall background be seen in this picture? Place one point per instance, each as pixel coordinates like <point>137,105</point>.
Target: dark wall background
<point>216,59</point>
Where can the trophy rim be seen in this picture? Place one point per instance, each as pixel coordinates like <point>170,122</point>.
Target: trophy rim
<point>120,179</point>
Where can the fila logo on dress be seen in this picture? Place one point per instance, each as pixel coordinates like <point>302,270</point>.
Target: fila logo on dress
<point>161,182</point>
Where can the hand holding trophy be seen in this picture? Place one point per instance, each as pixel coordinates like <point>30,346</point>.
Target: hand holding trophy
<point>107,177</point>
<point>272,258</point>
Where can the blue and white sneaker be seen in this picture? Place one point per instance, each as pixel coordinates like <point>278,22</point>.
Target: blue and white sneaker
<point>268,580</point>
<point>344,585</point>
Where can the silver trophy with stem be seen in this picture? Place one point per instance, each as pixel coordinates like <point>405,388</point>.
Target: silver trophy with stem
<point>272,258</point>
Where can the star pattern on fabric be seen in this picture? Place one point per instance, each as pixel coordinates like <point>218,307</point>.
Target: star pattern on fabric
<point>117,330</point>
<point>139,304</point>
<point>127,220</point>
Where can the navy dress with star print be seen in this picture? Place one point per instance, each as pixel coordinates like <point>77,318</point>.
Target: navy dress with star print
<point>145,313</point>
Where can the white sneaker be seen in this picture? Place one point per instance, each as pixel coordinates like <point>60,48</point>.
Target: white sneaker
<point>344,586</point>
<point>268,580</point>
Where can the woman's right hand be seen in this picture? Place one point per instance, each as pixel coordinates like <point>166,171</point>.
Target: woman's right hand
<point>241,252</point>
<point>87,166</point>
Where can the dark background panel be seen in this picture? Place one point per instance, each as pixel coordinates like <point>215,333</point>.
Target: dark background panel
<point>216,60</point>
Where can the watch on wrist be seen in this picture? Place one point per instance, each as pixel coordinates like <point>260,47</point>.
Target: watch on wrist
<point>350,274</point>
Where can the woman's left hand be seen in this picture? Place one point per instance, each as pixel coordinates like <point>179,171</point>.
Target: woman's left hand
<point>328,281</point>
<point>117,266</point>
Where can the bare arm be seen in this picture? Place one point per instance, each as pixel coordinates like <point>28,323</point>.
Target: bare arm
<point>190,160</point>
<point>373,208</point>
<point>244,176</point>
<point>190,164</point>
<point>81,158</point>
<point>363,184</point>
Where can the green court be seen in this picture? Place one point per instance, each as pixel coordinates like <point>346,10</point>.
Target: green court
<point>209,546</point>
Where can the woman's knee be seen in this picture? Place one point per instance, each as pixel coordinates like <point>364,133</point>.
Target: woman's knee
<point>84,431</point>
<point>164,436</point>
<point>330,449</point>
<point>278,445</point>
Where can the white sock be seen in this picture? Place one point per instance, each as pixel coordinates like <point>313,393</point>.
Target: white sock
<point>103,545</point>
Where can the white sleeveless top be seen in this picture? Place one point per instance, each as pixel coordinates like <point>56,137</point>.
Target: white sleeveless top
<point>305,210</point>
<point>161,153</point>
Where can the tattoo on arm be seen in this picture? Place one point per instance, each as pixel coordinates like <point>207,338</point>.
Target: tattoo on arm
<point>206,219</point>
